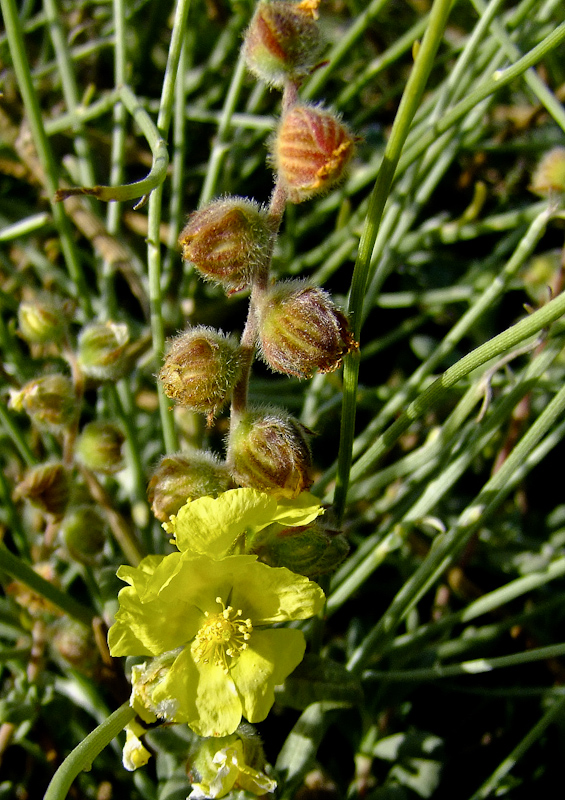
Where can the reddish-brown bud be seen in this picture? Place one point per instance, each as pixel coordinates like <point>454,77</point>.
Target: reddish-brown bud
<point>227,242</point>
<point>102,350</point>
<point>201,369</point>
<point>283,41</point>
<point>185,476</point>
<point>50,401</point>
<point>99,447</point>
<point>310,151</point>
<point>549,175</point>
<point>269,451</point>
<point>301,330</point>
<point>46,486</point>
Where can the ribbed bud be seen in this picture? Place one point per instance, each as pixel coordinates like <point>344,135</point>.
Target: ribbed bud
<point>269,451</point>
<point>84,532</point>
<point>46,486</point>
<point>310,151</point>
<point>50,401</point>
<point>102,350</point>
<point>283,41</point>
<point>41,321</point>
<point>549,175</point>
<point>74,642</point>
<point>200,370</point>
<point>301,330</point>
<point>99,447</point>
<point>185,476</point>
<point>227,242</point>
<point>308,550</point>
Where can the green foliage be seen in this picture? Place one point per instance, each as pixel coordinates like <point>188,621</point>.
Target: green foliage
<point>437,669</point>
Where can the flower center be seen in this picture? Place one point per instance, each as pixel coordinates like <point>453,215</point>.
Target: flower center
<point>221,636</point>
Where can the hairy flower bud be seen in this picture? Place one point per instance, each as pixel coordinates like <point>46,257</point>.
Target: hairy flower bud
<point>227,242</point>
<point>300,330</point>
<point>50,401</point>
<point>308,550</point>
<point>74,642</point>
<point>283,41</point>
<point>46,486</point>
<point>41,321</point>
<point>102,350</point>
<point>185,476</point>
<point>200,370</point>
<point>99,447</point>
<point>549,175</point>
<point>269,451</point>
<point>310,151</point>
<point>84,532</point>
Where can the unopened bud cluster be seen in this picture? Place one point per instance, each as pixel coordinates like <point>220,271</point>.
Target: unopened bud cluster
<point>294,326</point>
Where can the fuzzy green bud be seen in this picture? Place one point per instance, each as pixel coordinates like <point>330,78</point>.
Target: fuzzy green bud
<point>185,476</point>
<point>301,330</point>
<point>84,532</point>
<point>41,321</point>
<point>269,451</point>
<point>283,41</point>
<point>74,642</point>
<point>99,447</point>
<point>50,401</point>
<point>102,350</point>
<point>201,368</point>
<point>309,550</point>
<point>228,241</point>
<point>46,486</point>
<point>310,151</point>
<point>549,175</point>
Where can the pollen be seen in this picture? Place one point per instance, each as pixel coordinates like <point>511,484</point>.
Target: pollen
<point>222,637</point>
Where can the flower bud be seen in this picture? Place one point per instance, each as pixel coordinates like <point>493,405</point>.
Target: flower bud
<point>134,754</point>
<point>84,532</point>
<point>185,476</point>
<point>74,642</point>
<point>99,447</point>
<point>309,550</point>
<point>283,41</point>
<point>227,242</point>
<point>145,679</point>
<point>200,370</point>
<point>102,350</point>
<point>46,486</point>
<point>269,451</point>
<point>310,151</point>
<point>300,330</point>
<point>218,766</point>
<point>40,321</point>
<point>549,175</point>
<point>50,401</point>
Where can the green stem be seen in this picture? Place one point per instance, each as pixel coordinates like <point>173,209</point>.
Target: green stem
<point>84,754</point>
<point>21,571</point>
<point>401,126</point>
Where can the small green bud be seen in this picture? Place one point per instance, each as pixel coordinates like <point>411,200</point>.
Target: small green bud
<point>74,642</point>
<point>50,401</point>
<point>46,486</point>
<point>310,151</point>
<point>283,41</point>
<point>269,451</point>
<point>201,368</point>
<point>228,241</point>
<point>549,175</point>
<point>41,321</point>
<point>185,476</point>
<point>84,532</point>
<point>301,330</point>
<point>99,447</point>
<point>102,350</point>
<point>309,550</point>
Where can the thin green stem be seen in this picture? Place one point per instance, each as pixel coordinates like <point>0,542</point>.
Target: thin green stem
<point>84,754</point>
<point>401,126</point>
